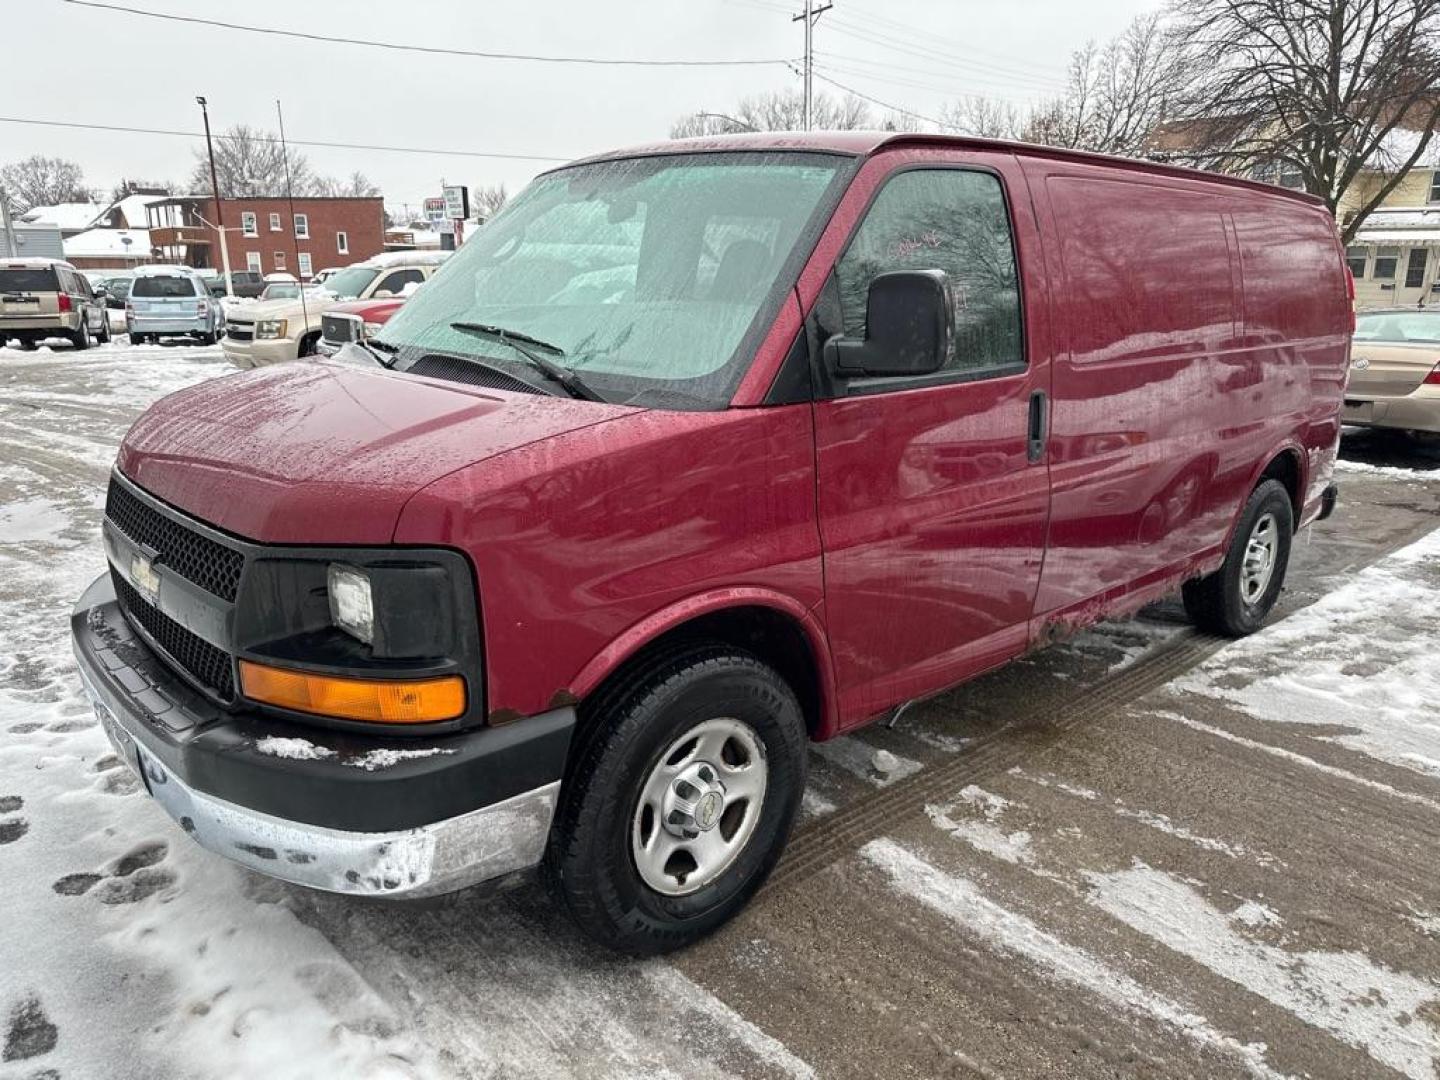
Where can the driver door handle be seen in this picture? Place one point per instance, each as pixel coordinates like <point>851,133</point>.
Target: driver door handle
<point>1039,423</point>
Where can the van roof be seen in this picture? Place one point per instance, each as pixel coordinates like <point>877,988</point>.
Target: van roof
<point>865,143</point>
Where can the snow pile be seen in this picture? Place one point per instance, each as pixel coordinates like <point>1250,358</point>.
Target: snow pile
<point>1351,666</point>
<point>1385,472</point>
<point>294,749</point>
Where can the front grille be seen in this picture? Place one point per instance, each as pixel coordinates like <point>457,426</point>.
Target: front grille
<point>438,366</point>
<point>339,328</point>
<point>240,331</point>
<point>212,566</point>
<point>205,663</point>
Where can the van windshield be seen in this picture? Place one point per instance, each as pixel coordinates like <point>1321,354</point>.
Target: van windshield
<point>350,282</point>
<point>653,276</point>
<point>156,285</point>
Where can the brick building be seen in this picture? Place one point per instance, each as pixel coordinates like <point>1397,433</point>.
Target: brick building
<point>263,235</point>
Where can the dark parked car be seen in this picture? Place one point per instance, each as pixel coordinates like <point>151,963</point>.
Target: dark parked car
<point>246,283</point>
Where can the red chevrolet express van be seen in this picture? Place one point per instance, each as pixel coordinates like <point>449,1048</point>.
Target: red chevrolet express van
<point>696,452</point>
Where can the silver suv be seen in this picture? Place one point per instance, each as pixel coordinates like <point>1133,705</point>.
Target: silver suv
<point>46,298</point>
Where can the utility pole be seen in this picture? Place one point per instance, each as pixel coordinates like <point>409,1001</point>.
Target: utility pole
<point>219,210</point>
<point>9,226</point>
<point>811,15</point>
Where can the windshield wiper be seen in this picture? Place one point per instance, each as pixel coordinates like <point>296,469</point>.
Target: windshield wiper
<point>567,377</point>
<point>378,351</point>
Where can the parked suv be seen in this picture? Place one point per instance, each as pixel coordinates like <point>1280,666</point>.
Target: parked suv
<point>357,321</point>
<point>697,452</point>
<point>171,301</point>
<point>47,298</point>
<point>245,284</point>
<point>276,330</point>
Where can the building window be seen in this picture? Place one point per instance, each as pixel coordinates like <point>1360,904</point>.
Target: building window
<point>252,261</point>
<point>279,260</point>
<point>1386,259</point>
<point>302,226</point>
<point>248,226</point>
<point>1435,186</point>
<point>305,265</point>
<point>1281,173</point>
<point>1415,267</point>
<point>342,243</point>
<point>274,222</point>
<point>1356,257</point>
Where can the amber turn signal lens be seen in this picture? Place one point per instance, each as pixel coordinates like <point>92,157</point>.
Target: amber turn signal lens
<point>381,701</point>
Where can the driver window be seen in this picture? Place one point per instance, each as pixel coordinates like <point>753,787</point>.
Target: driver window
<point>953,220</point>
<point>398,279</point>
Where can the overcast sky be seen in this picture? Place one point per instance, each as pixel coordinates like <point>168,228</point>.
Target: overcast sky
<point>95,66</point>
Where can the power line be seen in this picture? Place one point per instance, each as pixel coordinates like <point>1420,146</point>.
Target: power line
<point>957,70</point>
<point>923,52</point>
<point>889,25</point>
<point>295,142</point>
<point>431,49</point>
<point>876,101</point>
<point>921,81</point>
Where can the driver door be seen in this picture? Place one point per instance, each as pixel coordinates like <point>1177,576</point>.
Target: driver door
<point>933,495</point>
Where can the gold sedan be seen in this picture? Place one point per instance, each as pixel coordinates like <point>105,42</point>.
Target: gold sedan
<point>1395,370</point>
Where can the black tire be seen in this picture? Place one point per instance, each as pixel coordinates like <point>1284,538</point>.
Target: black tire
<point>629,726</point>
<point>137,339</point>
<point>104,336</point>
<point>81,337</point>
<point>1217,603</point>
<point>28,344</point>
<point>209,339</point>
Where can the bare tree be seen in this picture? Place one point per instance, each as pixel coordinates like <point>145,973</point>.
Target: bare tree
<point>249,163</point>
<point>778,110</point>
<point>1328,88</point>
<point>356,186</point>
<point>44,181</point>
<point>983,117</point>
<point>1117,95</point>
<point>487,200</point>
<point>141,187</point>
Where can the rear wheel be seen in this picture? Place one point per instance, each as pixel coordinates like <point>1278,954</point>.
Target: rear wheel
<point>1235,599</point>
<point>28,343</point>
<point>104,336</point>
<point>81,337</point>
<point>680,799</point>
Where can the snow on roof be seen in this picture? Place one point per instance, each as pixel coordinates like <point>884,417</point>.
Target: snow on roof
<point>1400,225</point>
<point>104,243</point>
<point>70,215</point>
<point>133,208</point>
<point>407,258</point>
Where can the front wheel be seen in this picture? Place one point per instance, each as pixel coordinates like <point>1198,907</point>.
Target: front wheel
<point>1235,599</point>
<point>680,799</point>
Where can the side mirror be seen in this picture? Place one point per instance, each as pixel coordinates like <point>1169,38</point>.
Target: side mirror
<point>101,290</point>
<point>909,324</point>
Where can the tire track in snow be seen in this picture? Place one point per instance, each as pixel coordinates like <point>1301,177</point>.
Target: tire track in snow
<point>962,902</point>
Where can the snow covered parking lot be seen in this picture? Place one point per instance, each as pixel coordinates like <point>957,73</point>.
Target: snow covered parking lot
<point>1141,853</point>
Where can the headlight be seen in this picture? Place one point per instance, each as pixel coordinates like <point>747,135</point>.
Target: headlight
<point>271,328</point>
<point>373,328</point>
<point>352,608</point>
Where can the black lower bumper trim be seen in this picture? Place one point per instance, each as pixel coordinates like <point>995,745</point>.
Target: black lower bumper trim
<point>337,779</point>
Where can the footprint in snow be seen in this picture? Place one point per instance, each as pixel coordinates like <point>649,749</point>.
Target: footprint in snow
<point>118,782</point>
<point>29,1033</point>
<point>10,831</point>
<point>76,884</point>
<point>10,803</point>
<point>139,857</point>
<point>25,728</point>
<point>139,885</point>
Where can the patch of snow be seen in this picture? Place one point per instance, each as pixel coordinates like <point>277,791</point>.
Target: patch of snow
<point>856,758</point>
<point>1386,472</point>
<point>1386,1013</point>
<point>108,244</point>
<point>813,804</point>
<point>1346,666</point>
<point>962,902</point>
<point>680,992</point>
<point>983,835</point>
<point>1252,913</point>
<point>294,749</point>
<point>31,521</point>
<point>385,759</point>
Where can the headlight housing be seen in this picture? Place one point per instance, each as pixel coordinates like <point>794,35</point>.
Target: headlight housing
<point>271,328</point>
<point>352,604</point>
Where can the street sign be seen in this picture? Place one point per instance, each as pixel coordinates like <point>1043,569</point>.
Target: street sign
<point>457,201</point>
<point>435,209</point>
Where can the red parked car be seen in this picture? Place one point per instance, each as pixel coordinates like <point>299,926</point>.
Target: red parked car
<point>696,452</point>
<point>355,321</point>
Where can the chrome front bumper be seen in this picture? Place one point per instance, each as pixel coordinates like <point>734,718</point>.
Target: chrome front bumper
<point>426,861</point>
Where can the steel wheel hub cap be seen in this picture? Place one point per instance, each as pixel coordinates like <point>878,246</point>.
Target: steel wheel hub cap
<point>1259,564</point>
<point>699,806</point>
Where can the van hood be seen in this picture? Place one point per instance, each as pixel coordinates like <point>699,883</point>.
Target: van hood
<point>324,453</point>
